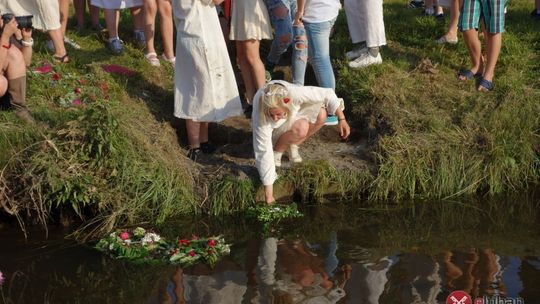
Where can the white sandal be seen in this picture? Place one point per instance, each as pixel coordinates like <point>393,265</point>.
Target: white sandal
<point>172,60</point>
<point>153,59</point>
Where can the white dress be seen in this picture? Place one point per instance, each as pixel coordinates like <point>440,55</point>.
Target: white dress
<point>250,20</point>
<point>205,87</point>
<point>116,4</point>
<point>46,12</point>
<point>306,103</point>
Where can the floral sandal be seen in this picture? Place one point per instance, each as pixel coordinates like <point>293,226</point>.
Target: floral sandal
<point>152,59</point>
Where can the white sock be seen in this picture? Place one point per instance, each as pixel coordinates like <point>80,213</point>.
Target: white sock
<point>277,158</point>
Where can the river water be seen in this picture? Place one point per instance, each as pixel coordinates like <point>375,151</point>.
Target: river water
<point>418,252</point>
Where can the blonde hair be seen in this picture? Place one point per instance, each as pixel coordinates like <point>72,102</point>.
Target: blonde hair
<point>274,97</point>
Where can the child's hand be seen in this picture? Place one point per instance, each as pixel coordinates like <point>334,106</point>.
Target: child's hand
<point>344,129</point>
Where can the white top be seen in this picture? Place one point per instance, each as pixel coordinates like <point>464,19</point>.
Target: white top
<point>306,103</point>
<point>316,11</point>
<point>205,87</point>
<point>46,12</point>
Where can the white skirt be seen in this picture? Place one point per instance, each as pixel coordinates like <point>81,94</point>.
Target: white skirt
<point>250,20</point>
<point>116,4</point>
<point>46,12</point>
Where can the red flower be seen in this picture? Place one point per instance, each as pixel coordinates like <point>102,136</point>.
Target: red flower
<point>83,81</point>
<point>210,251</point>
<point>77,102</point>
<point>211,243</point>
<point>56,77</point>
<point>77,90</point>
<point>192,253</point>
<point>46,68</point>
<point>286,100</point>
<point>124,236</point>
<point>183,242</point>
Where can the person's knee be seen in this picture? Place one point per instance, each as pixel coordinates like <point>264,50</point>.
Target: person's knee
<point>300,129</point>
<point>3,85</point>
<point>280,12</point>
<point>321,118</point>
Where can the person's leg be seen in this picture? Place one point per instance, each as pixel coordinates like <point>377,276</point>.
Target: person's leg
<point>64,14</point>
<point>374,36</point>
<point>167,28</point>
<point>300,54</point>
<point>356,21</point>
<point>318,35</point>
<point>452,34</point>
<point>280,15</point>
<point>494,20</point>
<point>15,72</point>
<point>299,132</point>
<point>112,17</point>
<point>60,53</point>
<point>150,11</point>
<point>94,17</point>
<point>138,25</point>
<point>80,9</point>
<point>469,24</point>
<point>251,66</point>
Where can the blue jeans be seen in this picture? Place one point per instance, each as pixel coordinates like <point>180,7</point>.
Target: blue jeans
<point>312,41</point>
<point>282,16</point>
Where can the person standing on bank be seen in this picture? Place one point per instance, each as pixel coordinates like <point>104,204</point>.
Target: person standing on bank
<point>284,116</point>
<point>205,88</point>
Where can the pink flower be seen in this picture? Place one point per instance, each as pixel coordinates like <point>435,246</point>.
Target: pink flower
<point>77,102</point>
<point>44,69</point>
<point>124,236</point>
<point>211,243</point>
<point>2,279</point>
<point>56,77</point>
<point>192,253</point>
<point>183,242</point>
<point>77,90</point>
<point>118,69</point>
<point>286,100</point>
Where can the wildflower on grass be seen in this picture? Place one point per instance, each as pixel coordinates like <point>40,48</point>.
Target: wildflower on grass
<point>124,235</point>
<point>192,253</point>
<point>44,69</point>
<point>211,242</point>
<point>77,90</point>
<point>56,77</point>
<point>76,102</point>
<point>183,242</point>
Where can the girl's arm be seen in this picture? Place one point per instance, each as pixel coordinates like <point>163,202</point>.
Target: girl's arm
<point>300,4</point>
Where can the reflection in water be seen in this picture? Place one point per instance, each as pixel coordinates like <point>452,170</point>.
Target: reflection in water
<point>401,256</point>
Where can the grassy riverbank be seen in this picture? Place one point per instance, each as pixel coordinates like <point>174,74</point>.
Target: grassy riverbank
<point>116,156</point>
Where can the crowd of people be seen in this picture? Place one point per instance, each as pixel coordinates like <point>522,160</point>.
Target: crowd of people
<point>285,114</point>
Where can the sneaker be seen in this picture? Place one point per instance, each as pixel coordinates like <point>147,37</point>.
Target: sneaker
<point>365,60</point>
<point>331,120</point>
<point>416,4</point>
<point>50,46</point>
<point>294,156</point>
<point>429,11</point>
<point>172,60</point>
<point>140,39</point>
<point>208,148</point>
<point>152,59</point>
<point>352,55</point>
<point>116,46</point>
<point>72,43</point>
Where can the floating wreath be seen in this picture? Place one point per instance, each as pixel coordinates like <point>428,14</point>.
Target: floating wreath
<point>272,213</point>
<point>141,246</point>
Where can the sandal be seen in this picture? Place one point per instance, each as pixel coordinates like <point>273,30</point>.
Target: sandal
<point>445,39</point>
<point>61,59</point>
<point>485,85</point>
<point>171,60</point>
<point>465,75</point>
<point>152,59</point>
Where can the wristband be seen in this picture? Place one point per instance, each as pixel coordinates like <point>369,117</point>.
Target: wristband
<point>339,119</point>
<point>28,43</point>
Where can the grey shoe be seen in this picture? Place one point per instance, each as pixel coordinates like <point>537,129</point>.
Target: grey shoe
<point>116,46</point>
<point>72,43</point>
<point>140,39</point>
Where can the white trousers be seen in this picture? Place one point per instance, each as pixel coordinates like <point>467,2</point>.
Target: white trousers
<point>365,20</point>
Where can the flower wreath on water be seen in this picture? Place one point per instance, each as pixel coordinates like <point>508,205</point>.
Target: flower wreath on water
<point>141,246</point>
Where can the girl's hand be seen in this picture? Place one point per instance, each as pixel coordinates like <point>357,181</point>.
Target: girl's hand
<point>298,19</point>
<point>344,129</point>
<point>10,28</point>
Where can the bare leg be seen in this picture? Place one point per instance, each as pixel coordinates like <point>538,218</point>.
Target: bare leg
<point>454,18</point>
<point>138,18</point>
<point>94,16</point>
<point>475,51</point>
<point>251,66</point>
<point>150,10</point>
<point>167,27</point>
<point>58,41</point>
<point>112,17</point>
<point>300,131</point>
<point>494,42</point>
<point>197,133</point>
<point>64,14</point>
<point>80,8</point>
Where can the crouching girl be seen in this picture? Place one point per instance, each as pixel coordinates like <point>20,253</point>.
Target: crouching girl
<point>284,116</point>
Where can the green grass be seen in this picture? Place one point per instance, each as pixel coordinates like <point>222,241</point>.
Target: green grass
<point>116,160</point>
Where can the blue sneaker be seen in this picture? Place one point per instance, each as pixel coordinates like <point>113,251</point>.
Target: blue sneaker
<point>331,120</point>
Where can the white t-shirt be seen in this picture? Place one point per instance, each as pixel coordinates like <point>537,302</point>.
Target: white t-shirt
<point>316,11</point>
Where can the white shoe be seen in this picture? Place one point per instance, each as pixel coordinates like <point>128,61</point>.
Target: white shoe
<point>153,59</point>
<point>172,60</point>
<point>277,158</point>
<point>351,55</point>
<point>365,60</point>
<point>72,43</point>
<point>294,156</point>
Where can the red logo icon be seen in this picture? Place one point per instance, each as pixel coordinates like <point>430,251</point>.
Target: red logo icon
<point>458,297</point>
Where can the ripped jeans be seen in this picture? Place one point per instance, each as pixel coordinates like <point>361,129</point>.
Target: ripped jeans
<point>282,14</point>
<point>312,41</point>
